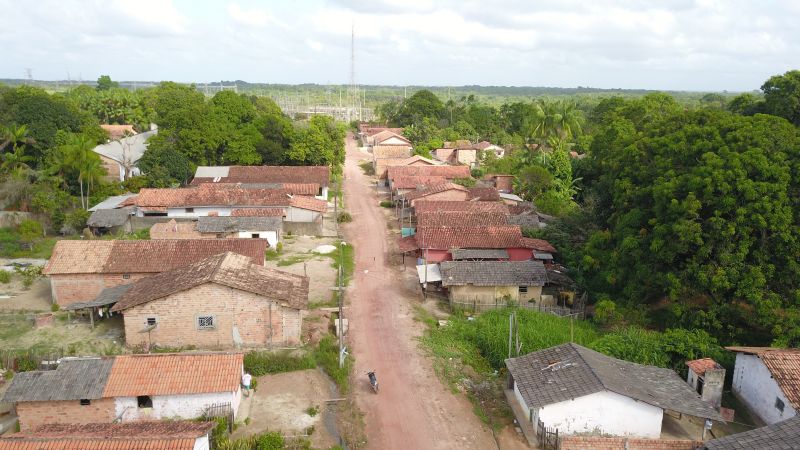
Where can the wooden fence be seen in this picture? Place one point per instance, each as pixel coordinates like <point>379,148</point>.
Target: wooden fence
<point>547,437</point>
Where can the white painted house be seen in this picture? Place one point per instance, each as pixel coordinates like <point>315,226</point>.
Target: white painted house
<point>126,388</point>
<point>580,391</point>
<point>767,380</point>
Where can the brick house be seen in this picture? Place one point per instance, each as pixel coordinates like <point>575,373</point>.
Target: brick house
<point>319,175</point>
<point>386,155</point>
<point>230,227</point>
<point>388,137</point>
<point>449,173</point>
<point>173,435</point>
<point>489,284</point>
<point>404,185</point>
<point>80,270</point>
<point>443,191</point>
<point>224,301</point>
<point>126,388</point>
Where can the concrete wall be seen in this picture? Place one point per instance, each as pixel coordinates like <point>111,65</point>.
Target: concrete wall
<point>114,170</point>
<point>604,413</point>
<point>190,406</point>
<point>270,236</point>
<point>34,414</point>
<point>467,157</point>
<point>241,319</point>
<point>303,228</point>
<point>201,443</point>
<point>72,288</point>
<point>754,385</point>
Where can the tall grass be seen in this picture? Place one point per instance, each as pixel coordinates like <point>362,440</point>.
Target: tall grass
<point>258,363</point>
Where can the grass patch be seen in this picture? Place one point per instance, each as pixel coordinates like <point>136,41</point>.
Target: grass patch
<point>271,255</point>
<point>259,363</point>
<point>13,246</point>
<point>346,254</point>
<point>333,301</point>
<point>327,357</point>
<point>13,326</point>
<point>294,259</point>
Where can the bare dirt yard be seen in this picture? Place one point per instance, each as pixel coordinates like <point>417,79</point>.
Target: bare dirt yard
<point>293,403</point>
<point>15,297</point>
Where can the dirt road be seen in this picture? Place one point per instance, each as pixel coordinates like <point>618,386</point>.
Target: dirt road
<point>413,409</point>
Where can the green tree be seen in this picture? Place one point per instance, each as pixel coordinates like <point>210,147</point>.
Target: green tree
<point>423,104</point>
<point>782,96</point>
<point>104,83</point>
<point>80,157</point>
<point>321,142</point>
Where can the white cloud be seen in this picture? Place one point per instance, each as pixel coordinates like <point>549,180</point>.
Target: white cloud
<point>253,17</point>
<point>314,45</point>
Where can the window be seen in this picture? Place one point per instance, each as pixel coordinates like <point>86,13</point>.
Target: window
<point>144,401</point>
<point>126,276</point>
<point>151,321</point>
<point>189,210</point>
<point>205,322</point>
<point>220,235</point>
<point>779,404</point>
<point>85,402</point>
<point>523,289</point>
<point>255,235</point>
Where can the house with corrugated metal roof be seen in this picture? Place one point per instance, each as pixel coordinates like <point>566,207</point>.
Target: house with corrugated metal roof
<point>127,388</point>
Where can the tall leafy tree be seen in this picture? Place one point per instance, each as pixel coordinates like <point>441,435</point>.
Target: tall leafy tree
<point>782,96</point>
<point>80,157</point>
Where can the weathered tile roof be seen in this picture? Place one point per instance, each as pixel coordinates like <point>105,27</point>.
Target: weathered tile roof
<point>472,253</point>
<point>145,256</point>
<point>74,379</point>
<point>699,366</point>
<point>449,172</point>
<point>460,219</point>
<point>784,366</point>
<point>434,189</point>
<point>263,174</point>
<point>493,273</point>
<point>227,269</point>
<point>784,435</point>
<point>231,224</point>
<point>106,218</point>
<point>142,429</point>
<point>138,443</point>
<point>384,135</point>
<point>309,203</point>
<point>569,371</point>
<point>487,194</point>
<point>407,244</point>
<point>258,212</point>
<point>310,189</point>
<point>195,197</point>
<point>525,220</point>
<point>421,206</point>
<point>446,238</point>
<point>539,245</point>
<point>174,374</point>
<point>414,182</point>
<point>418,158</point>
<point>391,151</point>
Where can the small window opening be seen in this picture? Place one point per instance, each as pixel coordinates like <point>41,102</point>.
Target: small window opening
<point>144,401</point>
<point>151,321</point>
<point>126,276</point>
<point>779,404</point>
<point>85,402</point>
<point>523,289</point>
<point>205,322</point>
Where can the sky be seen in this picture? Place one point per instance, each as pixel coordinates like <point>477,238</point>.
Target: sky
<point>696,45</point>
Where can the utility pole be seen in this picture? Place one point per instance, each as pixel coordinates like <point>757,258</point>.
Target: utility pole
<point>340,283</point>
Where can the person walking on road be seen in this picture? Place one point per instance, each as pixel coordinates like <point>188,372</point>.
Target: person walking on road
<point>246,379</point>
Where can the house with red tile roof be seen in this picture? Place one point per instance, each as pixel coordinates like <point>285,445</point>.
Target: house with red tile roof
<point>423,206</point>
<point>80,270</point>
<point>442,191</point>
<point>386,155</point>
<point>170,434</point>
<point>224,301</point>
<point>767,380</point>
<point>319,175</point>
<point>436,244</point>
<point>127,388</point>
<point>448,172</point>
<point>388,137</point>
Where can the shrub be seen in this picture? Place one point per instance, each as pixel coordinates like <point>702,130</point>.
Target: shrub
<point>258,363</point>
<point>466,182</point>
<point>54,307</point>
<point>387,204</point>
<point>367,167</point>
<point>29,274</point>
<point>327,356</point>
<point>312,410</point>
<point>269,441</point>
<point>606,314</point>
<point>5,277</point>
<point>279,247</point>
<point>345,217</point>
<point>76,219</point>
<point>30,230</point>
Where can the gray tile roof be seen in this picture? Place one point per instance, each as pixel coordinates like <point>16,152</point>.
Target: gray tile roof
<point>232,224</point>
<point>524,220</point>
<point>493,273</point>
<point>111,202</point>
<point>779,436</point>
<point>107,296</point>
<point>569,371</point>
<point>74,379</point>
<point>477,253</point>
<point>106,218</point>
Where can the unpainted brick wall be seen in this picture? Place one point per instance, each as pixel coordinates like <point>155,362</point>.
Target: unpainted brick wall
<point>34,414</point>
<point>622,443</point>
<point>176,317</point>
<point>72,288</point>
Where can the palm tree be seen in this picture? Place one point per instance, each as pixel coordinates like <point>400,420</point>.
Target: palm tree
<point>15,162</point>
<point>81,158</point>
<point>14,136</point>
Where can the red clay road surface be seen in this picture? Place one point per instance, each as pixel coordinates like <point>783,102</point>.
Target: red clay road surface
<point>413,409</point>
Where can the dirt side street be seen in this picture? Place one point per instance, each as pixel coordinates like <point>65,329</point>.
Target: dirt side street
<point>413,409</point>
